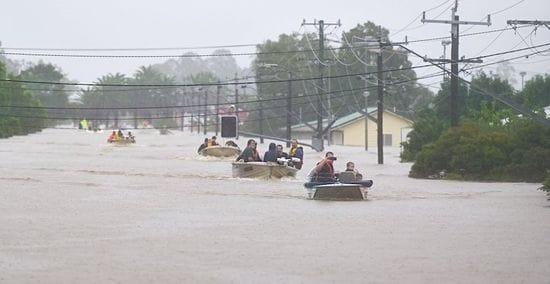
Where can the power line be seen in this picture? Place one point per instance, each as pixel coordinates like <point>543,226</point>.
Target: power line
<point>130,49</point>
<point>205,84</point>
<point>200,105</point>
<point>512,51</point>
<point>455,24</point>
<point>122,56</point>
<point>507,8</point>
<point>417,17</point>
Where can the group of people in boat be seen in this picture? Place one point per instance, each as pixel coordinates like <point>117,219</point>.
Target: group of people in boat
<point>119,136</point>
<point>324,170</point>
<point>209,142</point>
<point>275,154</point>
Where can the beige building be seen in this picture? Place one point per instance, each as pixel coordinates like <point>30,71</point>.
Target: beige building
<point>350,129</point>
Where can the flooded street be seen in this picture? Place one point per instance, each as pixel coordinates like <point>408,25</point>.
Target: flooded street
<point>74,209</point>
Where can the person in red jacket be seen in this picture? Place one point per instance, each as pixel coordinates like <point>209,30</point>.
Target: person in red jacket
<point>112,137</point>
<point>324,171</point>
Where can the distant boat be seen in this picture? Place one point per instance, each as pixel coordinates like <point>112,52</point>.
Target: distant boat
<point>122,142</point>
<point>165,131</point>
<point>262,170</point>
<point>220,151</point>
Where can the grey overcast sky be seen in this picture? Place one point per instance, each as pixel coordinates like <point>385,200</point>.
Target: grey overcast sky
<point>170,23</point>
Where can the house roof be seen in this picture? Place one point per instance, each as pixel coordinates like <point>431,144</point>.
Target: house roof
<point>344,120</point>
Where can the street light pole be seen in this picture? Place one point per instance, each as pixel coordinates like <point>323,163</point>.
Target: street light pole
<point>522,74</point>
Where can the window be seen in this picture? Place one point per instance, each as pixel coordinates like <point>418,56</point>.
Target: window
<point>387,140</point>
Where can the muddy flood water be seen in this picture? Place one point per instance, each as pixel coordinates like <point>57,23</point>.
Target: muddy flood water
<point>74,209</point>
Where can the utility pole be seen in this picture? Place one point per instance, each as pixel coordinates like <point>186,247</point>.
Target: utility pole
<point>185,102</point>
<point>288,100</point>
<point>321,89</point>
<point>379,44</point>
<point>455,23</point>
<point>366,94</point>
<point>289,110</point>
<point>237,103</point>
<point>219,87</point>
<point>380,103</point>
<point>198,109</point>
<point>260,106</point>
<point>205,124</point>
<point>444,43</point>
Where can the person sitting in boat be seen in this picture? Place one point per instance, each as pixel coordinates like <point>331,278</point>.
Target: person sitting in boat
<point>131,137</point>
<point>271,154</point>
<point>113,137</point>
<point>324,171</point>
<point>296,153</point>
<point>280,153</point>
<point>230,143</point>
<point>212,142</point>
<point>250,154</point>
<point>120,135</point>
<point>203,145</point>
<point>350,167</point>
<point>282,157</point>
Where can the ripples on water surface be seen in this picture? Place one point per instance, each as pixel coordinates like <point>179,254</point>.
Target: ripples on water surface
<point>76,209</point>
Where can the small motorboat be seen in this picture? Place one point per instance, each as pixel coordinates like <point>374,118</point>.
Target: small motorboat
<point>346,187</point>
<point>165,131</point>
<point>220,151</point>
<point>122,141</point>
<point>262,170</point>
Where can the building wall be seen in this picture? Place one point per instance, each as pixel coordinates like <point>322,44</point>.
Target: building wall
<point>353,133</point>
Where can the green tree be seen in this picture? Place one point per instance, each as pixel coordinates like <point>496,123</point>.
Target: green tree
<point>536,93</point>
<point>101,97</point>
<point>473,104</point>
<point>427,128</point>
<point>290,53</point>
<point>20,111</point>
<point>50,95</point>
<point>518,151</point>
<point>158,95</point>
<point>403,93</point>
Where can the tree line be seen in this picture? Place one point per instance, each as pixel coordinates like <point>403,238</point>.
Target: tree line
<point>491,143</point>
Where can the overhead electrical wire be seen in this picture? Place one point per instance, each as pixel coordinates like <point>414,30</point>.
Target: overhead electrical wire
<point>130,49</point>
<point>173,107</point>
<point>419,15</point>
<point>203,84</point>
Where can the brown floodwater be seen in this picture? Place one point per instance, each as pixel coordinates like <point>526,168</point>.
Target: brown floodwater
<point>75,209</point>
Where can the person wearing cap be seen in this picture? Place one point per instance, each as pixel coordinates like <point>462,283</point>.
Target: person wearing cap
<point>324,171</point>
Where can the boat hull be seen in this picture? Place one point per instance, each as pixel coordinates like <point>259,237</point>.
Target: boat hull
<point>338,191</point>
<point>262,170</point>
<point>121,142</point>
<point>220,151</point>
